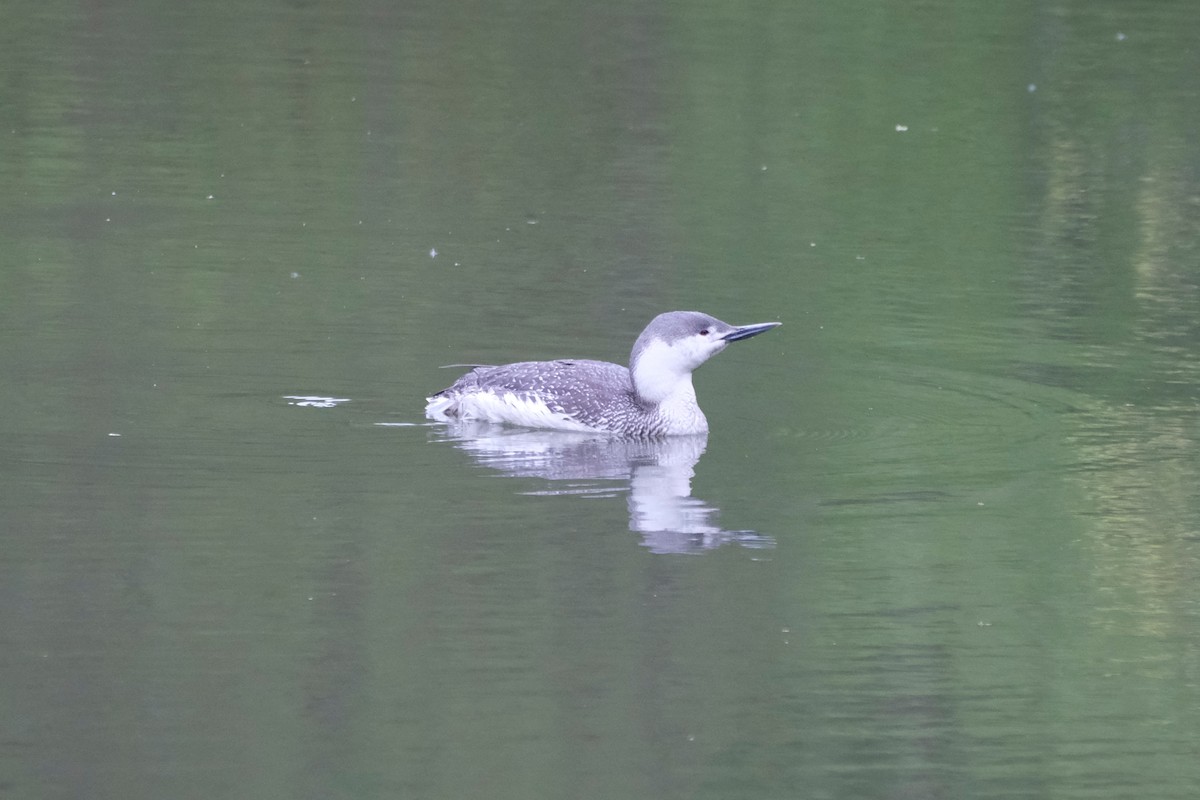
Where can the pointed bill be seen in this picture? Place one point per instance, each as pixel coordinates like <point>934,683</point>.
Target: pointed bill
<point>746,331</point>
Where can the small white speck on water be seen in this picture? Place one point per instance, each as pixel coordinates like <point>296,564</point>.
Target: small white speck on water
<point>312,401</point>
<point>433,252</point>
<point>1121,37</point>
<point>114,194</point>
<point>1031,88</point>
<point>901,128</point>
<point>295,275</point>
<point>114,434</point>
<point>210,197</point>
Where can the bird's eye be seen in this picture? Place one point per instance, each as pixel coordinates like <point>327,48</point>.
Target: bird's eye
<point>704,332</point>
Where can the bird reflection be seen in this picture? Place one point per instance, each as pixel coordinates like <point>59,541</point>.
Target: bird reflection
<point>656,474</point>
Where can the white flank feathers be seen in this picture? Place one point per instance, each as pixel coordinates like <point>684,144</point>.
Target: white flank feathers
<point>496,407</point>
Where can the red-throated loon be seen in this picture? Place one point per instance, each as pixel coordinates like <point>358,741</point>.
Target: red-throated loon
<point>653,397</point>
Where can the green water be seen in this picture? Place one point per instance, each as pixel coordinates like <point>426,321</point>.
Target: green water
<point>943,540</point>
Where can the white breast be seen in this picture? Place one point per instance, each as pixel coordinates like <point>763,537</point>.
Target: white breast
<point>681,413</point>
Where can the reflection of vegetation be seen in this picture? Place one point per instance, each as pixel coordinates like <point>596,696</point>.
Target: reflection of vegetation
<point>1114,269</point>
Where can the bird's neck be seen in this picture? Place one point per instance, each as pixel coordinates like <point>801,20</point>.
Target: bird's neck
<point>659,378</point>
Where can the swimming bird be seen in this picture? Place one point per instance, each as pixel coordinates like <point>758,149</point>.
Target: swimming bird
<point>652,397</point>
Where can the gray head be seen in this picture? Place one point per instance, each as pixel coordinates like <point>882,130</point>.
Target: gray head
<point>677,342</point>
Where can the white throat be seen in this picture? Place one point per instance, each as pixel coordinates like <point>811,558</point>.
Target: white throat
<point>662,375</point>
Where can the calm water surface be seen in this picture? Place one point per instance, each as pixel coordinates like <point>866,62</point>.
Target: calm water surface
<point>943,540</point>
